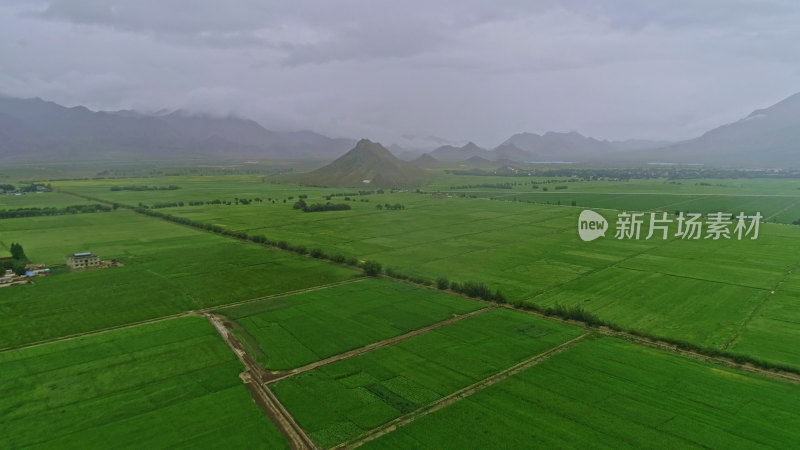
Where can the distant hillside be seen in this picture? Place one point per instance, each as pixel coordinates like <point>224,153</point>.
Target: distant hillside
<point>34,130</point>
<point>511,152</point>
<point>767,137</point>
<point>451,153</point>
<point>570,146</point>
<point>368,164</point>
<point>477,161</point>
<point>425,160</point>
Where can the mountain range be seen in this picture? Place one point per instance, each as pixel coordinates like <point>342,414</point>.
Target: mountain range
<point>551,146</point>
<point>36,130</point>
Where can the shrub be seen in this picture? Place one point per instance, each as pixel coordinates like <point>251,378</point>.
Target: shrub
<point>371,268</point>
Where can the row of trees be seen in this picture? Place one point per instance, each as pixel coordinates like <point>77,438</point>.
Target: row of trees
<point>171,187</point>
<point>319,207</point>
<point>52,211</point>
<point>387,206</point>
<point>175,204</point>
<point>484,185</point>
<point>471,289</point>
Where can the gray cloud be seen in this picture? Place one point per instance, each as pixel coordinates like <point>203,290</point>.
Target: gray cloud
<point>459,69</point>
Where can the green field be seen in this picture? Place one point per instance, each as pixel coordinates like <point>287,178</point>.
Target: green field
<point>339,401</point>
<point>299,329</point>
<point>40,200</point>
<point>773,330</point>
<point>168,384</point>
<point>168,269</point>
<point>606,393</point>
<point>174,383</point>
<point>703,292</point>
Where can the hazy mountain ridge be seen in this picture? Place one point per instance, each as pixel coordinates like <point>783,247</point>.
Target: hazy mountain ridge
<point>768,137</point>
<point>34,129</point>
<point>468,150</point>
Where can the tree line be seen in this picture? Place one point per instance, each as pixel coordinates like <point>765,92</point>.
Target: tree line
<point>53,211</point>
<point>319,207</point>
<point>171,187</point>
<point>388,207</point>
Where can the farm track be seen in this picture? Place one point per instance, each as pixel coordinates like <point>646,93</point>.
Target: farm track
<point>460,394</point>
<point>758,307</point>
<point>291,430</point>
<point>271,378</point>
<point>178,315</point>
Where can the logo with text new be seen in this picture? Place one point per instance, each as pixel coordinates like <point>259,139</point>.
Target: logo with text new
<point>591,225</point>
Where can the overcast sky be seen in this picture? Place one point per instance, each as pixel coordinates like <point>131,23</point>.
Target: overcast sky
<point>459,69</point>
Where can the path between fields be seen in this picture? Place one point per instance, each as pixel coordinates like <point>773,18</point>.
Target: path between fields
<point>458,395</point>
<point>271,378</point>
<point>758,307</point>
<point>178,315</point>
<point>291,430</point>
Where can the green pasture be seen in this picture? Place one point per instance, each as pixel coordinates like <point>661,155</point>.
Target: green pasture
<point>700,291</point>
<point>168,269</point>
<point>168,384</point>
<point>40,200</point>
<point>294,330</point>
<point>606,393</point>
<point>337,402</point>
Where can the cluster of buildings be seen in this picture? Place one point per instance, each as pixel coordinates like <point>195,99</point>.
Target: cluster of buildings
<point>75,261</point>
<point>9,278</point>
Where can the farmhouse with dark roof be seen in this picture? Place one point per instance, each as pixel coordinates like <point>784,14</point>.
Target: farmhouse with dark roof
<point>83,260</point>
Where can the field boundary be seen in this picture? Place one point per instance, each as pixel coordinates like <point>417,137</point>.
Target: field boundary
<point>758,307</point>
<point>460,394</point>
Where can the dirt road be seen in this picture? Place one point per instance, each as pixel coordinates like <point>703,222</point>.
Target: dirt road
<point>294,433</point>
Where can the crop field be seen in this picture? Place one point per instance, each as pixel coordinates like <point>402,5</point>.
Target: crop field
<point>168,269</point>
<point>40,200</point>
<point>339,401</point>
<point>607,393</point>
<point>294,330</point>
<point>777,200</point>
<point>731,295</point>
<point>532,252</point>
<point>773,330</point>
<point>166,384</point>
